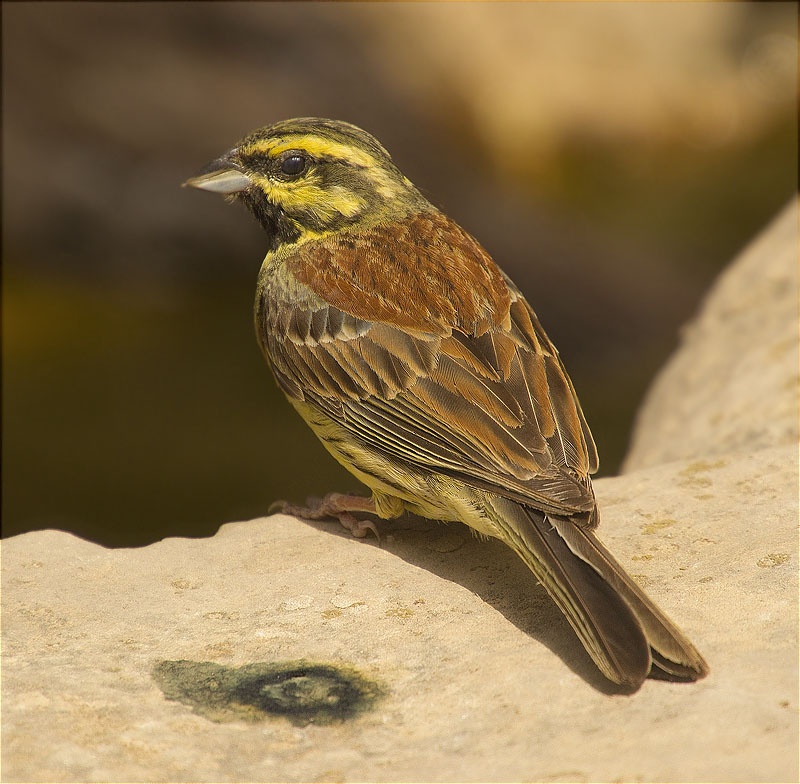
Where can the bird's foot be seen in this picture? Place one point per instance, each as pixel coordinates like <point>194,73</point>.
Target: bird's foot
<point>337,505</point>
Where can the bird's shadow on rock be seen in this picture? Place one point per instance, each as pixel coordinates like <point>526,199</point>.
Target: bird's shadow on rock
<point>492,571</point>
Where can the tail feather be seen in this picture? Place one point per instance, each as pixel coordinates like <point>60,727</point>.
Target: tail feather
<point>620,627</point>
<point>672,651</point>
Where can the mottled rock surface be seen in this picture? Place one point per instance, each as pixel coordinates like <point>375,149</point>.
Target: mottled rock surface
<point>279,650</point>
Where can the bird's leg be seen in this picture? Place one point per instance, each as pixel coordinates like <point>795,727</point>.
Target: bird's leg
<point>338,505</point>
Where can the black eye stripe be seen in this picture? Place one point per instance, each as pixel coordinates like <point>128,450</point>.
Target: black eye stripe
<point>258,161</point>
<point>293,163</point>
<point>341,161</point>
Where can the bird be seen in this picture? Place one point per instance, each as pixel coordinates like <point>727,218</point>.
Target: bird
<point>424,371</point>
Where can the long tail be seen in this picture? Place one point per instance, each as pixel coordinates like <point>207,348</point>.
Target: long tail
<point>623,631</point>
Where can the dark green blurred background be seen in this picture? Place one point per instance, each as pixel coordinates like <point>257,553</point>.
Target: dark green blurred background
<point>612,158</point>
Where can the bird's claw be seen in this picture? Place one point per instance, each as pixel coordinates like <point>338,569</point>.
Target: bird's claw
<point>358,528</point>
<point>330,506</point>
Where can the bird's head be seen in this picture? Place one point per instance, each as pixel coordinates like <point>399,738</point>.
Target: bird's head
<point>308,177</point>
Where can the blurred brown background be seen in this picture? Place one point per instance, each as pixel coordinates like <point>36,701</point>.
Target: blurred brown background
<point>612,158</point>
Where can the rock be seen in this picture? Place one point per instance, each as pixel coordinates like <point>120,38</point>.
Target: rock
<point>467,670</point>
<point>732,386</point>
<point>280,650</point>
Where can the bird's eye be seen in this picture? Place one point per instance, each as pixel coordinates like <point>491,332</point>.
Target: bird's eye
<point>293,165</point>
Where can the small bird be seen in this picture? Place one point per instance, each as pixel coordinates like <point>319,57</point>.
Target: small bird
<point>424,371</point>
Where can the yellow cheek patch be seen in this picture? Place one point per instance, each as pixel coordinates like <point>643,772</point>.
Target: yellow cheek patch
<point>325,203</point>
<point>318,146</point>
<point>344,201</point>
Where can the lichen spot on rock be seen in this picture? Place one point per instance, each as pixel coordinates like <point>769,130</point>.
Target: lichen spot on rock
<point>302,692</point>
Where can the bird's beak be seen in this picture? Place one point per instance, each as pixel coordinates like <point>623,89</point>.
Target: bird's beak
<point>224,175</point>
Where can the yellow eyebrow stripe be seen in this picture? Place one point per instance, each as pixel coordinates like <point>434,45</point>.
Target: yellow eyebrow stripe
<point>319,146</point>
<point>314,145</point>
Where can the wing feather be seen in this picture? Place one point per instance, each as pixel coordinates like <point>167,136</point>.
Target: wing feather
<point>464,406</point>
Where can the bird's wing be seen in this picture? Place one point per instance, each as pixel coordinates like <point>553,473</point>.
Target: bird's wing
<point>496,411</point>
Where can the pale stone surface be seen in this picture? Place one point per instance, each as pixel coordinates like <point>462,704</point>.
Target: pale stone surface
<point>484,679</point>
<point>732,386</point>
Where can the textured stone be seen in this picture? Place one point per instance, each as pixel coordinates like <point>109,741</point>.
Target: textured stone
<point>732,386</point>
<point>481,678</point>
